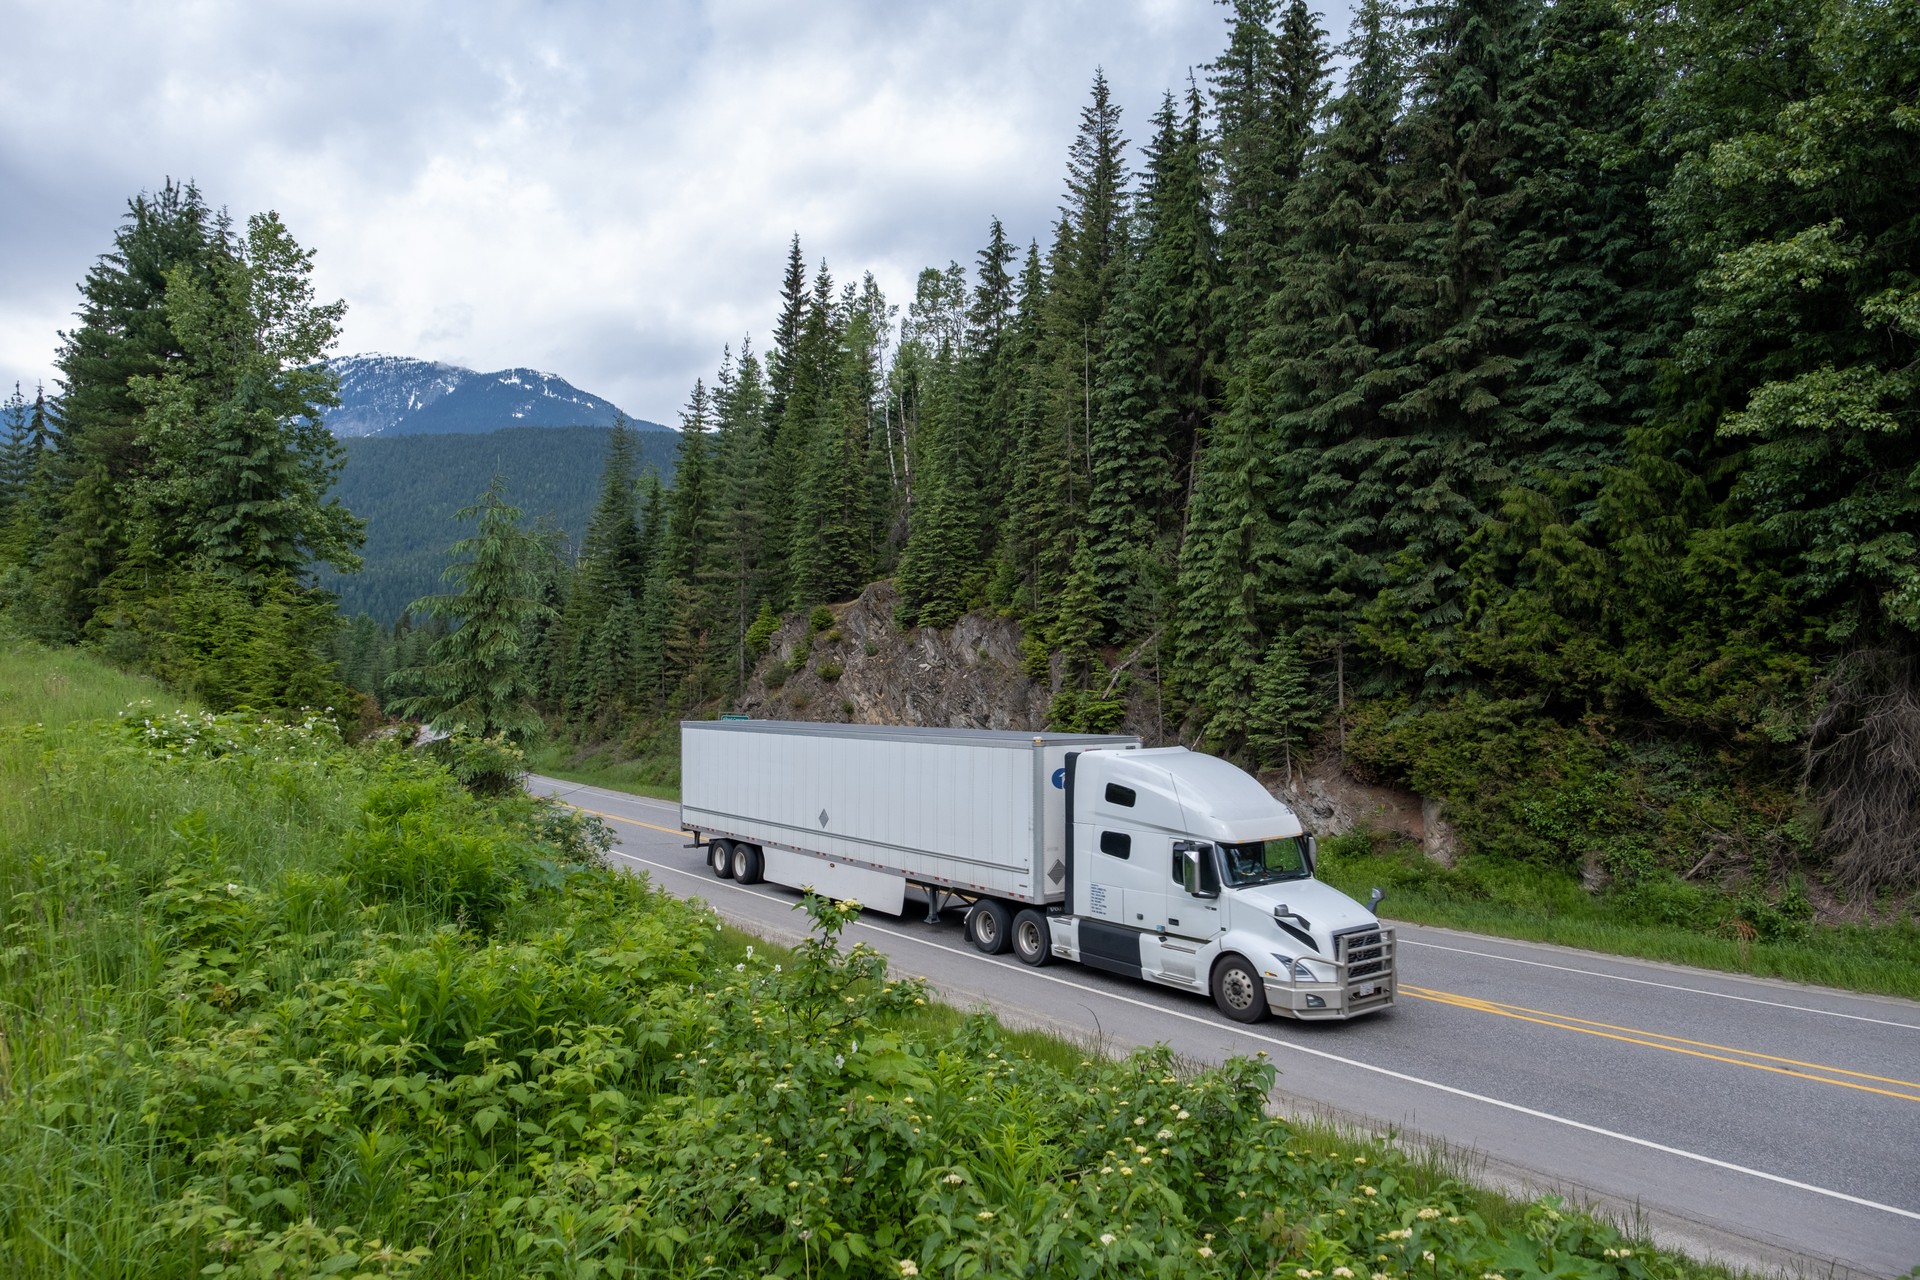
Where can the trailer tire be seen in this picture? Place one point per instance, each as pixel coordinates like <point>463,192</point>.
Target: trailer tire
<point>1032,939</point>
<point>990,923</point>
<point>1238,990</point>
<point>720,858</point>
<point>747,864</point>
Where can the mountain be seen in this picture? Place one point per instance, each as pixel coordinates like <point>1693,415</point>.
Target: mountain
<point>407,488</point>
<point>401,396</point>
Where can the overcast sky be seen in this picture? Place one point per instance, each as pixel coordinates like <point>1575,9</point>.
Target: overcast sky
<point>601,190</point>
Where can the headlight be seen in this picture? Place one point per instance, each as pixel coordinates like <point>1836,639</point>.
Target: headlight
<point>1301,970</point>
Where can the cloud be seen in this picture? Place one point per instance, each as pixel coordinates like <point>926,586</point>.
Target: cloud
<point>602,190</point>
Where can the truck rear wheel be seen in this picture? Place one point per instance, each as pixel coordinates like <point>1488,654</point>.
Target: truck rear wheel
<point>720,858</point>
<point>991,925</point>
<point>1238,990</point>
<point>1032,939</point>
<point>746,863</point>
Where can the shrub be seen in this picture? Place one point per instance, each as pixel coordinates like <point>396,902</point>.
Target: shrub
<point>830,671</point>
<point>820,619</point>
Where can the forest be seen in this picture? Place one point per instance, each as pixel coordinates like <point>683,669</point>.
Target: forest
<point>1526,414</point>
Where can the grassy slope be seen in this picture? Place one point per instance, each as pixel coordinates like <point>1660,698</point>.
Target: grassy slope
<point>246,1028</point>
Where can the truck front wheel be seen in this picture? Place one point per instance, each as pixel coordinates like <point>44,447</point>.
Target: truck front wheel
<point>991,925</point>
<point>720,858</point>
<point>1238,991</point>
<point>1032,941</point>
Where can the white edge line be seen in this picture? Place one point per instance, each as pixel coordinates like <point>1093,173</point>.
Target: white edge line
<point>1213,1025</point>
<point>1666,986</point>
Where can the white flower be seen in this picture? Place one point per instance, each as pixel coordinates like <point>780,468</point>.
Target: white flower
<point>908,1267</point>
<point>740,968</point>
<point>1205,1251</point>
<point>1183,1116</point>
<point>1426,1255</point>
<point>1163,1135</point>
<point>1343,1273</point>
<point>953,1179</point>
<point>1139,1119</point>
<point>985,1215</point>
<point>749,953</point>
<point>1106,1237</point>
<point>1427,1214</point>
<point>233,888</point>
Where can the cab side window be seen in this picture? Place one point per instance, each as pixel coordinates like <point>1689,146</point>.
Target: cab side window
<point>1116,844</point>
<point>1119,795</point>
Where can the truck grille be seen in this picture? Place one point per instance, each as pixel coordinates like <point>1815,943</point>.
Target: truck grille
<point>1366,955</point>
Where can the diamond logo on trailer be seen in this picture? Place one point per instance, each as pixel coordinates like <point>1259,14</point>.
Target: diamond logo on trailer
<point>823,817</point>
<point>1055,871</point>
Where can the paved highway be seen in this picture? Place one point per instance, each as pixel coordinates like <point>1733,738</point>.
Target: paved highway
<point>1766,1124</point>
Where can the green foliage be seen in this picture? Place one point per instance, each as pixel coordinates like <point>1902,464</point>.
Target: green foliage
<point>760,634</point>
<point>1285,710</point>
<point>286,1044</point>
<point>478,676</point>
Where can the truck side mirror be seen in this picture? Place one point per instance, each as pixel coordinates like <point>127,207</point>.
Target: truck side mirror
<point>1193,877</point>
<point>1374,899</point>
<point>1313,855</point>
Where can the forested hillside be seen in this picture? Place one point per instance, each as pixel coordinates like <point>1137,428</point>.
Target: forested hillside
<point>1528,415</point>
<point>407,488</point>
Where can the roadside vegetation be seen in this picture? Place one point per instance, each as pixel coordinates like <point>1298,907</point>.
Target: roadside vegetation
<point>273,1005</point>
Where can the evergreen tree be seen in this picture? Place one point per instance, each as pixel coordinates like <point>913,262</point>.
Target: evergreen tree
<point>477,678</point>
<point>16,458</point>
<point>1284,710</point>
<point>1157,379</point>
<point>737,519</point>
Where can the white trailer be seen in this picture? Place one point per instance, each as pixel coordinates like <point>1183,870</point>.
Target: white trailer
<point>1162,864</point>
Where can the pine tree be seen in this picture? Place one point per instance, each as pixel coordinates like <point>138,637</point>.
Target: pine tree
<point>478,676</point>
<point>782,362</point>
<point>1284,710</point>
<point>1157,379</point>
<point>16,459</point>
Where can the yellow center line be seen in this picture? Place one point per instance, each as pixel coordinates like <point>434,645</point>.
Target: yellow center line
<point>1554,1020</point>
<point>1661,1035</point>
<point>672,831</point>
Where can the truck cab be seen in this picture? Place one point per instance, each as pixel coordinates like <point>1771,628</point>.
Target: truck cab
<point>1183,870</point>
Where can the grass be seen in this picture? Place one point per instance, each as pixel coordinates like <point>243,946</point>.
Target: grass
<point>602,767</point>
<point>255,1020</point>
<point>1481,896</point>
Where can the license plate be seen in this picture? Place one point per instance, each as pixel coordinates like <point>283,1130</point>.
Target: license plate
<point>1370,990</point>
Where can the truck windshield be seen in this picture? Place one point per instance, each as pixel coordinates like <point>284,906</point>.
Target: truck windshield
<point>1264,861</point>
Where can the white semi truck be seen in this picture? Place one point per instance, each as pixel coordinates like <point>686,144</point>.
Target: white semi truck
<point>1163,864</point>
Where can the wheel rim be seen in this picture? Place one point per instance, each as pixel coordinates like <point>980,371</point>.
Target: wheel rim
<point>739,862</point>
<point>986,928</point>
<point>1027,936</point>
<point>1236,987</point>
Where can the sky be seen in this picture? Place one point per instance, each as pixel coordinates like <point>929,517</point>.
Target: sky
<point>605,191</point>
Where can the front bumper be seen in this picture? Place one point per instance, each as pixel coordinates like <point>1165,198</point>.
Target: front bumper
<point>1365,981</point>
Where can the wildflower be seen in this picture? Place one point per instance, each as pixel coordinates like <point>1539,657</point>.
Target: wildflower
<point>908,1267</point>
<point>740,968</point>
<point>1106,1168</point>
<point>1380,1275</point>
<point>1426,1255</point>
<point>953,1179</point>
<point>1163,1135</point>
<point>1428,1214</point>
<point>792,1185</point>
<point>1369,1191</point>
<point>1183,1116</point>
<point>1106,1237</point>
<point>1491,1275</point>
<point>776,968</point>
<point>1205,1251</point>
<point>749,953</point>
<point>1343,1273</point>
<point>1303,1273</point>
<point>232,889</point>
<point>1125,1172</point>
<point>1139,1119</point>
<point>918,1000</point>
<point>985,1215</point>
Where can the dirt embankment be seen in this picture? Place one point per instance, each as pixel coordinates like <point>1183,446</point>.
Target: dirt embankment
<point>864,670</point>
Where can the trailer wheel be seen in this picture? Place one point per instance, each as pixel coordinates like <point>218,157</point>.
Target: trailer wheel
<point>1238,991</point>
<point>747,864</point>
<point>720,858</point>
<point>991,925</point>
<point>1032,940</point>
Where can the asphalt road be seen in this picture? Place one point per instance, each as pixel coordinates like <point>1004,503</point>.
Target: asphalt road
<point>1765,1124</point>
